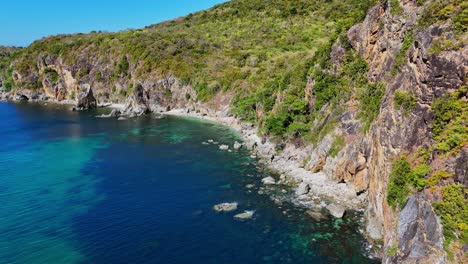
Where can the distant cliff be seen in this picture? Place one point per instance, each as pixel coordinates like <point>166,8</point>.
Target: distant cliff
<point>372,94</point>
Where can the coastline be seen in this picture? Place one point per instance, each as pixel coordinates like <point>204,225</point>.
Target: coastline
<point>322,192</point>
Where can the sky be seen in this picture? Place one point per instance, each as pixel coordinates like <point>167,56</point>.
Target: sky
<point>24,21</point>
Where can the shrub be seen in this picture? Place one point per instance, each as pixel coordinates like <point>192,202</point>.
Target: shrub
<point>405,100</point>
<point>401,55</point>
<point>370,98</point>
<point>449,126</point>
<point>453,210</point>
<point>337,145</point>
<point>437,177</point>
<point>418,175</point>
<point>52,75</point>
<point>397,192</point>
<point>395,8</point>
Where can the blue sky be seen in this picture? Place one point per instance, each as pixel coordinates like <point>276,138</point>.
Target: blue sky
<point>24,21</point>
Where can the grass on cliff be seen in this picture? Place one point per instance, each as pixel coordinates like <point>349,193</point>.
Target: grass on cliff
<point>453,210</point>
<point>402,179</point>
<point>450,123</point>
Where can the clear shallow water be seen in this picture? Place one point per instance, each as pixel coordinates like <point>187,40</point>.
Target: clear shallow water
<point>78,189</point>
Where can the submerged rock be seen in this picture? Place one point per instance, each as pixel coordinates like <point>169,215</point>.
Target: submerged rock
<point>245,215</point>
<point>225,207</point>
<point>268,180</point>
<point>316,215</point>
<point>336,210</point>
<point>224,147</point>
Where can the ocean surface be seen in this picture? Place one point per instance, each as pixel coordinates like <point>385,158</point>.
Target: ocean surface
<point>79,189</point>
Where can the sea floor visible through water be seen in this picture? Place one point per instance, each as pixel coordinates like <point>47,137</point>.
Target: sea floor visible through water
<point>80,189</point>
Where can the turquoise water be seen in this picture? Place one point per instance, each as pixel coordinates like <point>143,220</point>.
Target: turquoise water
<point>79,189</point>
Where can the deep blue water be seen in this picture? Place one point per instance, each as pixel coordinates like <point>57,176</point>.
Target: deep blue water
<point>79,189</point>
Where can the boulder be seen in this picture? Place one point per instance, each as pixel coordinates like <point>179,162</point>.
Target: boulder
<point>85,98</point>
<point>138,102</point>
<point>245,215</point>
<point>268,180</point>
<point>224,147</point>
<point>237,145</point>
<point>225,207</point>
<point>303,188</point>
<point>21,97</point>
<point>336,210</point>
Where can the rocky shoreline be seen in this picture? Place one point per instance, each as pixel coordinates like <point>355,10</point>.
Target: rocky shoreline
<point>312,189</point>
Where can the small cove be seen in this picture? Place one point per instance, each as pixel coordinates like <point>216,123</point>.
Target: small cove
<point>81,189</point>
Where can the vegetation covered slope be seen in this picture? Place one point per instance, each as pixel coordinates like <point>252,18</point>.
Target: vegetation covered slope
<point>244,47</point>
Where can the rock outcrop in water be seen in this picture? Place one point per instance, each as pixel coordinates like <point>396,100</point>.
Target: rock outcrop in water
<point>85,99</point>
<point>409,59</point>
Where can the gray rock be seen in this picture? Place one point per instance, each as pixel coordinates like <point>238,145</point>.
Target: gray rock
<point>245,215</point>
<point>336,210</point>
<point>268,180</point>
<point>237,145</point>
<point>225,207</point>
<point>85,99</point>
<point>419,233</point>
<point>224,147</point>
<point>21,97</point>
<point>302,189</point>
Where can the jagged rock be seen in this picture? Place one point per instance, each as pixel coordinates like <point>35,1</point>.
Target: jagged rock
<point>245,215</point>
<point>268,180</point>
<point>336,210</point>
<point>85,99</point>
<point>225,207</point>
<point>419,234</point>
<point>21,97</point>
<point>302,189</point>
<point>138,102</point>
<point>237,145</point>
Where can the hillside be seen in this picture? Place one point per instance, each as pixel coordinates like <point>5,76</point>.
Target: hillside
<point>372,94</point>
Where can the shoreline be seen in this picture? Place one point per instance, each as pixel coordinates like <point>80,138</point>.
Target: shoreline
<point>322,192</point>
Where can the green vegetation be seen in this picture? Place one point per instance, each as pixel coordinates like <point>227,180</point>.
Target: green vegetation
<point>405,100</point>
<point>392,251</point>
<point>263,52</point>
<point>437,177</point>
<point>7,54</point>
<point>398,189</point>
<point>395,8</point>
<point>337,145</point>
<point>402,178</point>
<point>453,210</point>
<point>52,75</point>
<point>449,127</point>
<point>370,98</point>
<point>439,11</point>
<point>401,55</point>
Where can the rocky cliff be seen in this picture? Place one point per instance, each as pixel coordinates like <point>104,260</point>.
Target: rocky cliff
<point>380,109</point>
